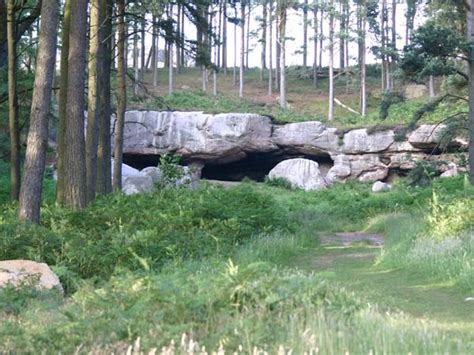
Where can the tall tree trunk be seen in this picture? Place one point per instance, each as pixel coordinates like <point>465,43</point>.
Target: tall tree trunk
<point>362,21</point>
<point>470,35</point>
<point>154,61</point>
<point>121,97</point>
<point>94,104</point>
<point>321,39</point>
<point>234,73</point>
<point>224,38</point>
<point>283,12</point>
<point>383,44</point>
<point>104,174</point>
<point>142,47</point>
<point>136,53</point>
<point>315,45</point>
<point>247,37</point>
<point>14,128</point>
<point>178,39</point>
<point>182,37</point>
<point>74,163</point>
<point>242,49</point>
<point>35,160</point>
<point>270,47</point>
<point>331,62</point>
<point>410,19</point>
<point>277,48</point>
<point>61,136</point>
<point>342,30</point>
<point>263,54</point>
<point>170,53</point>
<point>219,37</point>
<point>305,33</point>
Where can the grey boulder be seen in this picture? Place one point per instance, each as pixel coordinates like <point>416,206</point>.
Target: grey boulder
<point>300,173</point>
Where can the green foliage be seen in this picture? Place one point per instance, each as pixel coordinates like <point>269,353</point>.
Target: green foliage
<point>171,170</point>
<point>389,98</point>
<point>119,232</point>
<point>422,174</point>
<point>278,182</point>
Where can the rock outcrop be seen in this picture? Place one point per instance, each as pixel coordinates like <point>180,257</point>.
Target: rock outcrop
<point>300,173</point>
<point>363,154</point>
<point>20,273</point>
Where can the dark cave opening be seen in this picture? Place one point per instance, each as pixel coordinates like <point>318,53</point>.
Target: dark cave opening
<point>254,166</point>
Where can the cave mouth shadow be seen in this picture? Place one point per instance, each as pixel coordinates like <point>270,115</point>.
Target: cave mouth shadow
<point>255,166</point>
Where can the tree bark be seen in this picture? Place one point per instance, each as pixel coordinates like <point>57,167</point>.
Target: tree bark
<point>61,135</point>
<point>104,174</point>
<point>154,62</point>
<point>170,53</point>
<point>282,13</point>
<point>305,33</point>
<point>331,62</point>
<point>14,128</point>
<point>270,47</point>
<point>321,39</point>
<point>242,49</point>
<point>224,37</point>
<point>247,37</point>
<point>234,72</point>
<point>121,98</point>
<point>263,54</point>
<point>470,35</point>
<point>315,45</point>
<point>74,164</point>
<point>136,53</point>
<point>278,49</point>
<point>31,190</point>
<point>93,101</point>
<point>362,19</point>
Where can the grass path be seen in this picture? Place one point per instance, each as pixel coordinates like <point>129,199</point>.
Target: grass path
<point>350,260</point>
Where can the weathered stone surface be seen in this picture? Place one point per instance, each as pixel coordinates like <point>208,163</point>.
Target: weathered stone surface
<point>452,171</point>
<point>367,167</point>
<point>415,91</point>
<point>28,273</point>
<point>426,136</point>
<point>404,161</point>
<point>360,141</point>
<point>138,184</point>
<point>205,137</point>
<point>154,172</point>
<point>301,173</point>
<point>380,186</point>
<point>311,138</point>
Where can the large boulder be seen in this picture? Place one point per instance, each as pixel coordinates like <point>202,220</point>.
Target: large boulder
<point>360,141</point>
<point>154,172</point>
<point>311,138</point>
<point>28,273</point>
<point>426,136</point>
<point>138,184</point>
<point>196,135</point>
<point>380,186</point>
<point>300,173</point>
<point>367,167</point>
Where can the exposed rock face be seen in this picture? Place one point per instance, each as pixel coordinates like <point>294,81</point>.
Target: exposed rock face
<point>367,167</point>
<point>216,138</point>
<point>359,141</point>
<point>206,139</point>
<point>28,273</point>
<point>311,138</point>
<point>301,173</point>
<point>415,91</point>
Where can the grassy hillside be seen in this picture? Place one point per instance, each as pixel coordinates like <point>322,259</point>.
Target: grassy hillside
<point>306,102</point>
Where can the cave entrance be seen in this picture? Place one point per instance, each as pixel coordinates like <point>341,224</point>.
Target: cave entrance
<point>255,167</point>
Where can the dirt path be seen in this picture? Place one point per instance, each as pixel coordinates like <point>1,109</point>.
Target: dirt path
<point>350,260</point>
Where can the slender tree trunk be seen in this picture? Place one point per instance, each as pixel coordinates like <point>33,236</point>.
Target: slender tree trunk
<point>234,73</point>
<point>224,38</point>
<point>277,48</point>
<point>214,82</point>
<point>219,37</point>
<point>178,41</point>
<point>282,31</point>
<point>104,174</point>
<point>74,163</point>
<point>247,37</point>
<point>362,19</point>
<point>204,78</point>
<point>14,128</point>
<point>121,98</point>
<point>470,27</point>
<point>154,61</point>
<point>342,30</point>
<point>242,50</point>
<point>270,47</point>
<point>182,37</point>
<point>263,54</point>
<point>94,104</point>
<point>305,33</point>
<point>136,53</point>
<point>315,45</point>
<point>61,136</point>
<point>142,47</point>
<point>431,86</point>
<point>383,44</point>
<point>35,160</point>
<point>321,39</point>
<point>171,57</point>
<point>331,63</point>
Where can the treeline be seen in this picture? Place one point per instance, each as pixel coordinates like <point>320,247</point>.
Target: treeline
<point>95,39</point>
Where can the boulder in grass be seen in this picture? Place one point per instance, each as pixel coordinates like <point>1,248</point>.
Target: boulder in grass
<point>138,184</point>
<point>28,273</point>
<point>300,173</point>
<point>380,186</point>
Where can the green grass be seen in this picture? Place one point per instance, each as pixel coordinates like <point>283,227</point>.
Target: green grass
<point>243,268</point>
